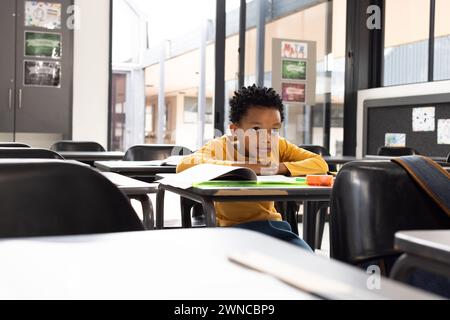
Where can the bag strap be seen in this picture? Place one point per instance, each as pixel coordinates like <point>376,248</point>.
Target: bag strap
<point>430,176</point>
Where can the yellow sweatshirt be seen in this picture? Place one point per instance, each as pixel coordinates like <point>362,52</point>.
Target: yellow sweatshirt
<point>298,161</point>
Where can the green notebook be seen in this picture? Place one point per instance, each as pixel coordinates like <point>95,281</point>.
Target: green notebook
<point>295,182</point>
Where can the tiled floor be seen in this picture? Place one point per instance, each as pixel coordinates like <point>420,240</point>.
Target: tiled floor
<point>172,218</point>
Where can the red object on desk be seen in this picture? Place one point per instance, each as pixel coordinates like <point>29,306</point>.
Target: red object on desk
<point>319,180</point>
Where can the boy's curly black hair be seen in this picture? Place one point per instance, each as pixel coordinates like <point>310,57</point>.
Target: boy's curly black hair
<point>254,96</point>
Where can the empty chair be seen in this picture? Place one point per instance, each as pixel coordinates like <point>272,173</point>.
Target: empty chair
<point>13,145</point>
<point>154,152</point>
<point>50,198</point>
<point>396,151</point>
<point>77,146</point>
<point>28,153</point>
<point>371,201</point>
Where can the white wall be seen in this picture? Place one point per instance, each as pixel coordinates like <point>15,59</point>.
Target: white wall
<point>419,89</point>
<point>91,72</point>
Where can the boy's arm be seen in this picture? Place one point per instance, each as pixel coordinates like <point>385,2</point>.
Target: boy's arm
<point>212,153</point>
<point>300,162</point>
<point>206,155</point>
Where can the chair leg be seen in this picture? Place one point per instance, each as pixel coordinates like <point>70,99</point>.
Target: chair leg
<point>281,209</point>
<point>198,215</point>
<point>291,216</point>
<point>160,209</point>
<point>197,211</point>
<point>309,223</point>
<point>147,211</point>
<point>320,225</point>
<point>186,206</point>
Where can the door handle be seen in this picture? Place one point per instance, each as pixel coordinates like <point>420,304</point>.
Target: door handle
<point>10,99</point>
<point>20,98</point>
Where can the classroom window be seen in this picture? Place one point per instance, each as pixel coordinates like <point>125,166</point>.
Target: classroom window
<point>442,41</point>
<point>407,29</point>
<point>119,88</point>
<point>304,124</point>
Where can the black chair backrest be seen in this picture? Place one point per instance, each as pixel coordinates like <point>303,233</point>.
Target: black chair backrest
<point>448,158</point>
<point>322,151</point>
<point>396,151</point>
<point>154,152</point>
<point>28,153</point>
<point>50,198</point>
<point>371,201</point>
<point>77,146</point>
<point>13,145</point>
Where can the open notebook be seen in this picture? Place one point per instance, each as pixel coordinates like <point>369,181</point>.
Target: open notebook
<point>209,175</point>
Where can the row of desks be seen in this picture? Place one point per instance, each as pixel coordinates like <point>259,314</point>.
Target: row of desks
<point>208,197</point>
<point>104,266</point>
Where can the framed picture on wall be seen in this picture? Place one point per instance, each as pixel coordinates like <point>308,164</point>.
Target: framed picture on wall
<point>294,50</point>
<point>42,73</point>
<point>294,69</point>
<point>293,92</point>
<point>43,14</point>
<point>424,119</point>
<point>443,131</point>
<point>395,140</point>
<point>42,44</point>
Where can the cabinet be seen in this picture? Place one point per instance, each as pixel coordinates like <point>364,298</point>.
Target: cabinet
<point>36,81</point>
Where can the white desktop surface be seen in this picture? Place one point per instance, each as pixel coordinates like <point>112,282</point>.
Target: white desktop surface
<point>175,264</point>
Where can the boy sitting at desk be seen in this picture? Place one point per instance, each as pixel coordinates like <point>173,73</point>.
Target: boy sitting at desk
<point>256,117</point>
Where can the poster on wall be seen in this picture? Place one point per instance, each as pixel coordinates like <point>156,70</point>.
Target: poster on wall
<point>443,131</point>
<point>294,70</point>
<point>43,45</point>
<point>395,140</point>
<point>294,92</point>
<point>424,119</point>
<point>43,14</point>
<point>42,73</point>
<point>294,50</point>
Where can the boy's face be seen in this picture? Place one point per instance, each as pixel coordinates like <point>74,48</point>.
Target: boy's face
<point>258,130</point>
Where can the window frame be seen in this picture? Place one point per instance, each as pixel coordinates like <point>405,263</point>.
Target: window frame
<point>431,46</point>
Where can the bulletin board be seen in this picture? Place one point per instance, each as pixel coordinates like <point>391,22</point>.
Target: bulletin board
<point>419,122</point>
<point>294,71</point>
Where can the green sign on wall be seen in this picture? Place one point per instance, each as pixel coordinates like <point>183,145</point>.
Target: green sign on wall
<point>294,69</point>
<point>43,45</point>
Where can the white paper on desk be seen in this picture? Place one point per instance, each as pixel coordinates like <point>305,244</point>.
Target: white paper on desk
<point>208,172</point>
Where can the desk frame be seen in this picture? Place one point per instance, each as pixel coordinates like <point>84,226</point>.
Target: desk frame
<point>207,198</point>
